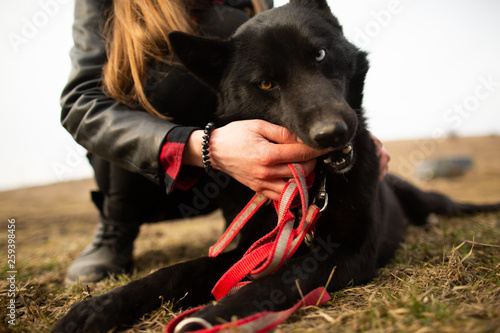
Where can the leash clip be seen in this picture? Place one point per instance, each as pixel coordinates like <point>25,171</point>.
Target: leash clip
<point>192,320</point>
<point>309,238</point>
<point>322,195</point>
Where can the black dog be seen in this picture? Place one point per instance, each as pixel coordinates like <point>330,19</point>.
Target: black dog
<point>290,66</point>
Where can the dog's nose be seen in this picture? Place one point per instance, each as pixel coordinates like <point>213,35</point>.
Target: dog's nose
<point>329,135</point>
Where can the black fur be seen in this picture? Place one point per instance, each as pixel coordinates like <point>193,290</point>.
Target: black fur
<point>319,100</point>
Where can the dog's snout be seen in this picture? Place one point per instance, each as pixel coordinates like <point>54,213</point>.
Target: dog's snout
<point>328,135</point>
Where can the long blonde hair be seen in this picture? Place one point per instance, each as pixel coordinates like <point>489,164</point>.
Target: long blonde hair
<point>136,36</point>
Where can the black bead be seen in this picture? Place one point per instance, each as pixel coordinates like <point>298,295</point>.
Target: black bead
<point>209,128</point>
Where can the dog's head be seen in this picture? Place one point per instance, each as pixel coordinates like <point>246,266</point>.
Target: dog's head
<point>291,66</point>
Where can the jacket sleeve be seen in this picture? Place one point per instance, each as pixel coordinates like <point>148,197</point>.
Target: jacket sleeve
<point>128,138</point>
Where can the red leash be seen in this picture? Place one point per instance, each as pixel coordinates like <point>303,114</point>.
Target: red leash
<point>260,322</point>
<point>266,255</point>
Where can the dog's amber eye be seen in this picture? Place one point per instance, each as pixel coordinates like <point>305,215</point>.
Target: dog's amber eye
<point>321,55</point>
<point>266,84</point>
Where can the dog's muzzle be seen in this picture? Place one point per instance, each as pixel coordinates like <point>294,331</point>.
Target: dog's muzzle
<point>340,160</point>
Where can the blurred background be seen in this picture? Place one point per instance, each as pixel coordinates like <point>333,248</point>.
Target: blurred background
<point>434,72</point>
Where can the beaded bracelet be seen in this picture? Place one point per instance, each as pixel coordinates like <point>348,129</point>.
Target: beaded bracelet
<point>204,147</point>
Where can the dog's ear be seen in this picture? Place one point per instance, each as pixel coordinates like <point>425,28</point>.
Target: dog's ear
<point>205,57</point>
<point>357,82</point>
<point>321,4</point>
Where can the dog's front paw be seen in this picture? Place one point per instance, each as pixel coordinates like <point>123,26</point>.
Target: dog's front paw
<point>96,314</point>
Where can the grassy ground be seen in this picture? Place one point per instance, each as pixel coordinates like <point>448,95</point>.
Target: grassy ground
<point>443,279</point>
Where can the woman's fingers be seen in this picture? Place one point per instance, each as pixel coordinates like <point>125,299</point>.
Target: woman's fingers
<point>248,152</point>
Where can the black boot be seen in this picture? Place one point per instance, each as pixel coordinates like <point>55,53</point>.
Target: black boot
<point>110,253</point>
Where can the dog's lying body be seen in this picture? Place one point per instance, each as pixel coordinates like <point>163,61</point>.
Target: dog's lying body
<point>291,66</point>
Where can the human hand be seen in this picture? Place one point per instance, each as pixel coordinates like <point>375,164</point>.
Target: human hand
<point>256,153</point>
<point>383,157</point>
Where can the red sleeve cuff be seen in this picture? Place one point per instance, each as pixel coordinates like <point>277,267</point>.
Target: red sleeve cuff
<point>171,159</point>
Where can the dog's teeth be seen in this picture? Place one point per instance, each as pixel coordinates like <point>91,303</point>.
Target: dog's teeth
<point>347,150</point>
<point>327,160</point>
<point>342,161</point>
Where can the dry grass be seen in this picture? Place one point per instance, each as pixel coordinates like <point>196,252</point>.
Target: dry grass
<point>445,279</point>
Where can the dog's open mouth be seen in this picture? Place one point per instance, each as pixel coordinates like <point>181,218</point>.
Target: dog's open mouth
<point>340,160</point>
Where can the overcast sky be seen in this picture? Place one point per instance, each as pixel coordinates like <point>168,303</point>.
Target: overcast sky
<point>434,69</point>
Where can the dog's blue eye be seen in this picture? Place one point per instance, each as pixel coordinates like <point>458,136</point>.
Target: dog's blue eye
<point>321,55</point>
